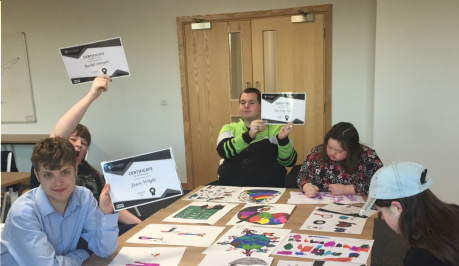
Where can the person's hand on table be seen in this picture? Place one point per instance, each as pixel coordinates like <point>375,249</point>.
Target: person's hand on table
<point>310,190</point>
<point>340,189</point>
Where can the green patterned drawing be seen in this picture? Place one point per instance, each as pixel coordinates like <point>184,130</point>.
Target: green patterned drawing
<point>203,212</point>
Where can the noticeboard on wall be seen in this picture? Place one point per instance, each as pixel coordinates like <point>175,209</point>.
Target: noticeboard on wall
<point>17,95</point>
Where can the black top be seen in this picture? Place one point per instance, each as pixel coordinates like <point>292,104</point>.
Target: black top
<point>253,167</point>
<point>87,177</point>
<point>422,257</point>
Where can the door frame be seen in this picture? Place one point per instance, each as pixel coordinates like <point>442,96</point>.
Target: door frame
<point>326,10</point>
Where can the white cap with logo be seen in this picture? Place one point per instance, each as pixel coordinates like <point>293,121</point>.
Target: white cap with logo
<point>396,181</point>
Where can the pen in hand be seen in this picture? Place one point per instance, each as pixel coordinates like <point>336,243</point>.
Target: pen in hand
<point>317,189</point>
<point>318,195</point>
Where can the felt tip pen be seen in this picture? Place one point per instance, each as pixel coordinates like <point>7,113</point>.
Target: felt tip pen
<point>312,185</point>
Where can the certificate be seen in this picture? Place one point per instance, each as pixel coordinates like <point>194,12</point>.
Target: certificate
<point>142,179</point>
<point>281,108</point>
<point>87,61</point>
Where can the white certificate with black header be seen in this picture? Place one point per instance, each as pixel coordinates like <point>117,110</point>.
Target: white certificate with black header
<point>87,61</point>
<point>281,108</point>
<point>142,179</point>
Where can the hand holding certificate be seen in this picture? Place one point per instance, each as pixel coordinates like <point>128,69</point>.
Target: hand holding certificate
<point>87,61</point>
<point>281,108</point>
<point>142,179</point>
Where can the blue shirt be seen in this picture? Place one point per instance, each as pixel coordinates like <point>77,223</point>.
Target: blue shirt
<point>36,234</point>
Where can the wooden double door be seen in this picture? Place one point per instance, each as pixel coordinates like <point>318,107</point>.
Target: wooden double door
<point>262,49</point>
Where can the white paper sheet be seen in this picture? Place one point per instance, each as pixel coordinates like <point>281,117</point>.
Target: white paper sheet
<point>346,209</point>
<point>317,263</point>
<point>333,222</point>
<point>325,248</point>
<point>87,61</point>
<point>142,179</point>
<point>294,263</point>
<point>281,108</point>
<point>214,259</point>
<point>214,193</point>
<point>297,197</point>
<point>142,256</point>
<point>182,235</point>
<point>250,241</point>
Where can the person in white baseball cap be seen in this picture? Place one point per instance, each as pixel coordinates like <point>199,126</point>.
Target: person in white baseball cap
<point>400,193</point>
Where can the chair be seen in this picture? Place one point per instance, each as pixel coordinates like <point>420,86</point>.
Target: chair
<point>137,211</point>
<point>8,165</point>
<point>216,182</point>
<point>291,177</point>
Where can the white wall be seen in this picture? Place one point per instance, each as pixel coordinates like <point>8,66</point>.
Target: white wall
<point>128,120</point>
<point>416,88</point>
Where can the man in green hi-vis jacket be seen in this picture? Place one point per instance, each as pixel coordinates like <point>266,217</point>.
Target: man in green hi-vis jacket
<point>255,154</point>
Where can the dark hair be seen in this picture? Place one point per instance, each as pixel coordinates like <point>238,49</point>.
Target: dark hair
<point>348,137</point>
<point>427,222</point>
<point>83,132</point>
<point>252,90</point>
<point>53,153</point>
<point>99,175</point>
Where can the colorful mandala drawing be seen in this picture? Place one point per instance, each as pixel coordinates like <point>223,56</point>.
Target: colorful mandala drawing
<point>262,215</point>
<point>250,241</point>
<point>258,195</point>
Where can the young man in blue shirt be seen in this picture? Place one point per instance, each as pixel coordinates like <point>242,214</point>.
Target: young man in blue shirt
<point>44,225</point>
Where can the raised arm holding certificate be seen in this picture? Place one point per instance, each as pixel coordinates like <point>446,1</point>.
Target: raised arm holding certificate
<point>87,61</point>
<point>281,108</point>
<point>142,179</point>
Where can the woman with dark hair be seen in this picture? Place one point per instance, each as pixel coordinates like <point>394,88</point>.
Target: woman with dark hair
<point>341,165</point>
<point>68,127</point>
<point>428,225</point>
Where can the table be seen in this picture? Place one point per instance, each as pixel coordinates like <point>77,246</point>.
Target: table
<point>9,179</point>
<point>193,255</point>
<point>22,138</point>
<point>13,178</point>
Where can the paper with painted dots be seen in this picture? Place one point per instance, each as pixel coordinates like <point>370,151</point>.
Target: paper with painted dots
<point>325,248</point>
<point>325,221</point>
